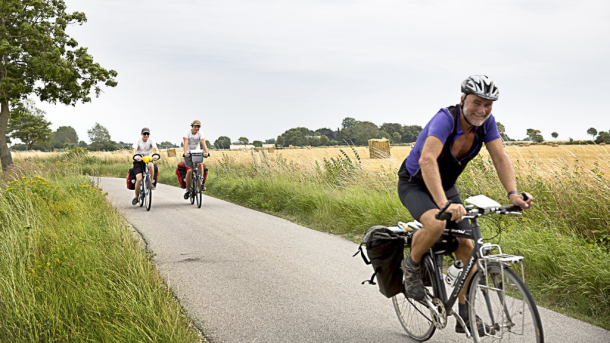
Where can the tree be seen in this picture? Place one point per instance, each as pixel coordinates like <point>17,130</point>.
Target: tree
<point>65,137</point>
<point>258,144</point>
<point>330,134</point>
<point>37,56</point>
<point>166,145</point>
<point>592,131</point>
<point>28,125</point>
<point>362,131</point>
<point>411,133</point>
<point>502,131</point>
<point>223,142</point>
<point>535,135</point>
<point>298,136</point>
<point>603,137</point>
<point>324,140</point>
<point>243,140</point>
<point>554,135</point>
<point>396,137</point>
<point>347,123</point>
<point>100,139</point>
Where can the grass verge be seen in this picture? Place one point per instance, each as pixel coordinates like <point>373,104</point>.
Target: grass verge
<point>70,269</point>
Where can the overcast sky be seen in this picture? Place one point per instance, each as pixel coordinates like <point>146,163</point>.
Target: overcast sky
<point>257,68</point>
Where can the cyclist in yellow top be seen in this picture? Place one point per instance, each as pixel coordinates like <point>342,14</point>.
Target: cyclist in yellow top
<point>191,140</point>
<point>143,147</point>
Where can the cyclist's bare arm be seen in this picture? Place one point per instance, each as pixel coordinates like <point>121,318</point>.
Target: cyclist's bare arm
<point>506,173</point>
<point>185,146</point>
<point>136,156</point>
<point>432,177</point>
<point>205,147</point>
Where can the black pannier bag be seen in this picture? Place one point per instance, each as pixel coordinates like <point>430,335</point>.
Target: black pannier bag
<point>385,250</point>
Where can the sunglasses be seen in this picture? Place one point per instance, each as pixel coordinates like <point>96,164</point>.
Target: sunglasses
<point>146,133</point>
<point>196,126</point>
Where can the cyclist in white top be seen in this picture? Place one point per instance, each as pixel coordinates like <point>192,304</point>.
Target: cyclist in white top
<point>143,147</point>
<point>191,140</point>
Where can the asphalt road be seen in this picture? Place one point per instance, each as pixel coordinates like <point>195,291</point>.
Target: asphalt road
<point>246,276</point>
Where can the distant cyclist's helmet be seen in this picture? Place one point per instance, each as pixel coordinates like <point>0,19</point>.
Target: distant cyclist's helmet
<point>482,86</point>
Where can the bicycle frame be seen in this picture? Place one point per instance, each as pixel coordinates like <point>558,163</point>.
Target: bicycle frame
<point>480,257</point>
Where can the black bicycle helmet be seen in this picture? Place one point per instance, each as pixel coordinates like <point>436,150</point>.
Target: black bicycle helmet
<point>482,86</point>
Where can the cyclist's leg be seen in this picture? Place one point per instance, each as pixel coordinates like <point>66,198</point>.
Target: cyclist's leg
<point>416,198</point>
<point>137,169</point>
<point>189,175</point>
<point>151,171</point>
<point>418,201</point>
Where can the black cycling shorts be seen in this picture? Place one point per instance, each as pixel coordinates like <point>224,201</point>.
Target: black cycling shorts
<point>415,196</point>
<point>138,167</point>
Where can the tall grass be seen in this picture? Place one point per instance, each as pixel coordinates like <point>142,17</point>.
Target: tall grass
<point>564,238</point>
<point>70,270</point>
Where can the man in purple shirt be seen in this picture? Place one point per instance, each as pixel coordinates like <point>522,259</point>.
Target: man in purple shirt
<point>452,138</point>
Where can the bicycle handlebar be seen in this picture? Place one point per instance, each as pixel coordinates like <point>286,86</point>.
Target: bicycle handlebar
<point>477,211</point>
<point>142,157</point>
<point>209,154</point>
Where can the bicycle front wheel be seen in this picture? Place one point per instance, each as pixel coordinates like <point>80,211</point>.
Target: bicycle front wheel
<point>142,192</point>
<point>148,196</point>
<point>198,195</point>
<point>416,317</point>
<point>505,306</point>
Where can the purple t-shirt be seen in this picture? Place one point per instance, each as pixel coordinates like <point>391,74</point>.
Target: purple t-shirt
<point>441,126</point>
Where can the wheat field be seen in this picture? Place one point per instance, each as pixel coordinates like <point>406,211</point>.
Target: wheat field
<point>527,159</point>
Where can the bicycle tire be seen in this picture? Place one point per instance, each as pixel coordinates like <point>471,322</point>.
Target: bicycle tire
<point>511,311</point>
<point>148,195</point>
<point>414,316</point>
<point>198,195</point>
<point>142,191</point>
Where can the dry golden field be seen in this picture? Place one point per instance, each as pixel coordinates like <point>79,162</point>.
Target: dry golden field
<point>544,160</point>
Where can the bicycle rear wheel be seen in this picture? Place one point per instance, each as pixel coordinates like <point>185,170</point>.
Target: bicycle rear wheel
<point>416,317</point>
<point>504,303</point>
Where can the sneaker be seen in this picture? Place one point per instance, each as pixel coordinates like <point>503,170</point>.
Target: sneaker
<point>134,201</point>
<point>414,287</point>
<point>203,189</point>
<point>483,329</point>
<point>187,195</point>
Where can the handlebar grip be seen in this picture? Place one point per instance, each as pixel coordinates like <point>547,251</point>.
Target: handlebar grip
<point>524,195</point>
<point>514,209</point>
<point>441,215</point>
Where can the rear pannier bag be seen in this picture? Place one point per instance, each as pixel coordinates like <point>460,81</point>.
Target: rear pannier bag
<point>385,250</point>
<point>181,169</point>
<point>131,179</point>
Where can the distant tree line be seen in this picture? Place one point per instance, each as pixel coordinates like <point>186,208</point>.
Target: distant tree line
<point>33,130</point>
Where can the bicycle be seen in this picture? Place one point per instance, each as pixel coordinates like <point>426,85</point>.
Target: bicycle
<point>196,181</point>
<point>145,198</point>
<point>495,293</point>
